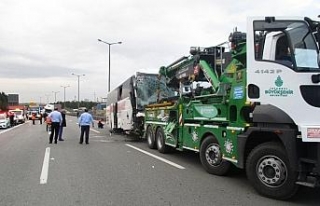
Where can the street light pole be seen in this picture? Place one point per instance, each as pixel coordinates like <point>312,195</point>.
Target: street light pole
<point>64,95</point>
<point>78,75</point>
<point>55,96</point>
<point>47,95</point>
<point>109,46</point>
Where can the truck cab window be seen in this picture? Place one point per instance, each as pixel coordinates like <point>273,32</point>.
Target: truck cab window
<point>293,45</point>
<point>283,54</point>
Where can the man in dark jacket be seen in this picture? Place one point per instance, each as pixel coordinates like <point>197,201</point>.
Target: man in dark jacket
<point>11,117</point>
<point>62,125</point>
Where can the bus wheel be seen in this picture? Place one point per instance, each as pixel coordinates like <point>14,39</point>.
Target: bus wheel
<point>150,138</point>
<point>162,147</point>
<point>269,171</point>
<point>211,157</point>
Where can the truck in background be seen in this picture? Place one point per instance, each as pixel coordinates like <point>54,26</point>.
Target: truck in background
<point>48,108</point>
<point>34,109</point>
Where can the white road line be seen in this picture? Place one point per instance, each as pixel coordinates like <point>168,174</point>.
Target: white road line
<point>45,167</point>
<point>11,128</point>
<point>96,131</point>
<point>157,157</point>
<point>6,130</point>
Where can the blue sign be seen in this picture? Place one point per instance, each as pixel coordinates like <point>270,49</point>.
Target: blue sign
<point>238,92</point>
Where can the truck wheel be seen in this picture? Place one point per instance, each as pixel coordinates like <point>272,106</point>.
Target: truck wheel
<point>162,147</point>
<point>269,171</point>
<point>150,138</point>
<point>211,157</point>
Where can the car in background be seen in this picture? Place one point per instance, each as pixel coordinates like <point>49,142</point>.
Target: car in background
<point>4,121</point>
<point>19,116</point>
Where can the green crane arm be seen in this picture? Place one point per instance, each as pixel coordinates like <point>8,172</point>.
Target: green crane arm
<point>200,66</point>
<point>210,74</point>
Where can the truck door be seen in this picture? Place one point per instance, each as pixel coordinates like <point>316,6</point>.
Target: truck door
<point>281,65</point>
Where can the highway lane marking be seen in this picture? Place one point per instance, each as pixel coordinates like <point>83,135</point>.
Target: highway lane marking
<point>96,131</point>
<point>157,157</point>
<point>104,141</point>
<point>11,128</point>
<point>6,130</point>
<point>45,167</point>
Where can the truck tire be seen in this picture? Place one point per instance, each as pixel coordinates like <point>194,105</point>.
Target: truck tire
<point>269,171</point>
<point>150,138</point>
<point>211,157</point>
<point>160,140</point>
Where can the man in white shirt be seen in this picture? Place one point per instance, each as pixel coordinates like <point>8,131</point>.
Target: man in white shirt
<point>56,120</point>
<point>85,120</point>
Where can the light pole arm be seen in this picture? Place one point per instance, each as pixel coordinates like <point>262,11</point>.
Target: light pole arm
<point>109,46</point>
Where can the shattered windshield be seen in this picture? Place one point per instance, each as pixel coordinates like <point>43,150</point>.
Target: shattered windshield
<point>150,88</point>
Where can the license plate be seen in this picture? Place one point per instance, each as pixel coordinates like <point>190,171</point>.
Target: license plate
<point>313,133</point>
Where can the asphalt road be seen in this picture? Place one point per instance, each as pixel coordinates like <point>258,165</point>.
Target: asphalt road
<point>114,170</point>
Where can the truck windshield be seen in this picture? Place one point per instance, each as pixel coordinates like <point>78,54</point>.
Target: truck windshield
<point>305,50</point>
<point>292,45</point>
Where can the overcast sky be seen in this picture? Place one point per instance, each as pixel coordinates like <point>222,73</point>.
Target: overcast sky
<point>43,42</point>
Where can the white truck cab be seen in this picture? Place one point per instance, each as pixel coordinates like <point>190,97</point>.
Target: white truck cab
<point>282,66</point>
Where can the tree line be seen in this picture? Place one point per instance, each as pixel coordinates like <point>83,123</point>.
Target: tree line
<point>3,101</point>
<point>74,104</point>
<point>68,104</point>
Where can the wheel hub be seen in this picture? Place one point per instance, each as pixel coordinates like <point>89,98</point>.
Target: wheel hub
<point>213,155</point>
<point>272,171</point>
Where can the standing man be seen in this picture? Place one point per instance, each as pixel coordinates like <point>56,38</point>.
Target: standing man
<point>62,125</point>
<point>45,119</point>
<point>11,117</point>
<point>33,117</point>
<point>56,120</point>
<point>85,120</point>
<point>40,117</point>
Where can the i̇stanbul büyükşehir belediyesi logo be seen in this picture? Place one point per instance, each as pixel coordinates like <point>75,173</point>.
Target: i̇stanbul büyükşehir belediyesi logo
<point>278,90</point>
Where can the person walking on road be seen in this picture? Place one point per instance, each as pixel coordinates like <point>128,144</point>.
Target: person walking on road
<point>85,120</point>
<point>11,117</point>
<point>40,118</point>
<point>56,120</point>
<point>33,117</point>
<point>62,125</point>
<point>45,115</point>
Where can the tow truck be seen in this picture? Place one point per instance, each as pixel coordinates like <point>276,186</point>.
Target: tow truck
<point>255,107</point>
